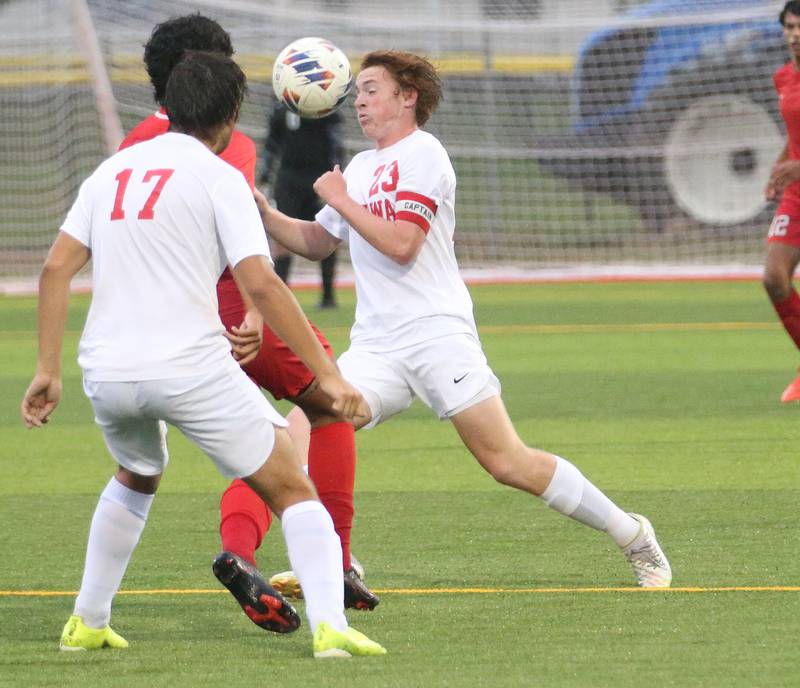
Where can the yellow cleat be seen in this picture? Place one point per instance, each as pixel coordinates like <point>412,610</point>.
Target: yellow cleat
<point>328,642</point>
<point>78,636</point>
<point>286,584</point>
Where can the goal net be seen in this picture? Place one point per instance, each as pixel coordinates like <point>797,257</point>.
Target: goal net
<point>612,134</point>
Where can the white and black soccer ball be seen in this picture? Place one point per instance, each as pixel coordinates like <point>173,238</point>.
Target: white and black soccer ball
<point>312,77</point>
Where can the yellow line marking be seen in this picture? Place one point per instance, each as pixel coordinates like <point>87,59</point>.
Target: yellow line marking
<point>630,327</point>
<point>533,63</point>
<point>128,67</point>
<point>440,591</point>
<point>43,60</point>
<point>456,591</point>
<point>597,328</point>
<point>43,77</point>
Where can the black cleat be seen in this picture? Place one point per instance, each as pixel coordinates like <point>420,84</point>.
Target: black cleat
<point>264,606</point>
<point>356,594</point>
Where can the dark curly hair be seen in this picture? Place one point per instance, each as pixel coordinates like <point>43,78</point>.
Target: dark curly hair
<point>791,7</point>
<point>410,72</point>
<point>204,91</point>
<point>172,38</point>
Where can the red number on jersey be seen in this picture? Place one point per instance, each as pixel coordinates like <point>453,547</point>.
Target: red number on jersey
<point>377,177</point>
<point>146,213</point>
<point>391,185</point>
<point>122,183</point>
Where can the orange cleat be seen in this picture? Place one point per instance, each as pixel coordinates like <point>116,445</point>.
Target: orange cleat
<point>792,392</point>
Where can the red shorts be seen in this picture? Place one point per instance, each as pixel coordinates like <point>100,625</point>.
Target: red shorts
<point>275,368</point>
<point>785,227</point>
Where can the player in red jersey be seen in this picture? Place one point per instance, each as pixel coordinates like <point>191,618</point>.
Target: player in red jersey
<point>244,518</point>
<point>783,249</point>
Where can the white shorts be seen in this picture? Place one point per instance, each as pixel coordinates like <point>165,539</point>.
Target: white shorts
<point>222,412</point>
<point>450,374</point>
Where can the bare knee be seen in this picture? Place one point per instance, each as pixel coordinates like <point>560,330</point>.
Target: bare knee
<point>488,433</point>
<point>280,481</point>
<point>500,468</point>
<point>509,465</point>
<point>777,282</point>
<point>779,268</point>
<point>281,492</point>
<point>146,484</point>
<point>523,468</point>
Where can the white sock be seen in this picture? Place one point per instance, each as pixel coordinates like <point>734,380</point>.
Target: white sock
<point>315,554</point>
<point>571,494</point>
<point>116,527</point>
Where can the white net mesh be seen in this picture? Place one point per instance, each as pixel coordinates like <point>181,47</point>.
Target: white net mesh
<point>582,132</point>
<point>48,129</point>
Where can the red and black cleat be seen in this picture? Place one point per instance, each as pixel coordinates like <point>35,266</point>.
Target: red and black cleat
<point>356,594</point>
<point>264,606</point>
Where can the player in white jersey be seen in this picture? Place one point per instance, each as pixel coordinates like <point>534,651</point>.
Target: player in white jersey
<point>161,220</point>
<point>414,333</point>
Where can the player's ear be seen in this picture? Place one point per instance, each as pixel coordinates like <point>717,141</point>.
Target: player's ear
<point>410,96</point>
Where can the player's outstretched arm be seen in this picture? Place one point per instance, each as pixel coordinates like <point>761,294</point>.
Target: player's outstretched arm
<point>305,238</point>
<point>283,314</point>
<point>66,257</point>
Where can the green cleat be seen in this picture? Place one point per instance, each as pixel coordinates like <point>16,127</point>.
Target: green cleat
<point>328,642</point>
<point>78,636</point>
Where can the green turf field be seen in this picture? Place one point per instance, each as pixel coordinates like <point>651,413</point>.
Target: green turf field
<point>666,395</point>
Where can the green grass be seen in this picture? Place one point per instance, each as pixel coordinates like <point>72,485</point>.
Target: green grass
<point>679,421</point>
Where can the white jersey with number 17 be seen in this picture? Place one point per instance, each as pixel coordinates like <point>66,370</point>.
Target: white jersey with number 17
<point>162,219</point>
<point>399,305</point>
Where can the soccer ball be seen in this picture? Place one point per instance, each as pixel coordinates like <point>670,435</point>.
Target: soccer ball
<point>312,77</point>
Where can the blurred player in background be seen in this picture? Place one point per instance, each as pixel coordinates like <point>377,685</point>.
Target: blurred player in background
<point>244,518</point>
<point>414,334</point>
<point>160,221</point>
<point>301,150</point>
<point>783,248</point>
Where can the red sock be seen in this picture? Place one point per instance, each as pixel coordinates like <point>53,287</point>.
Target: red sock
<point>244,520</point>
<point>789,312</point>
<point>332,469</point>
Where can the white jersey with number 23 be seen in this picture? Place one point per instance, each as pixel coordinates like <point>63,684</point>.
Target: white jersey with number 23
<point>400,305</point>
